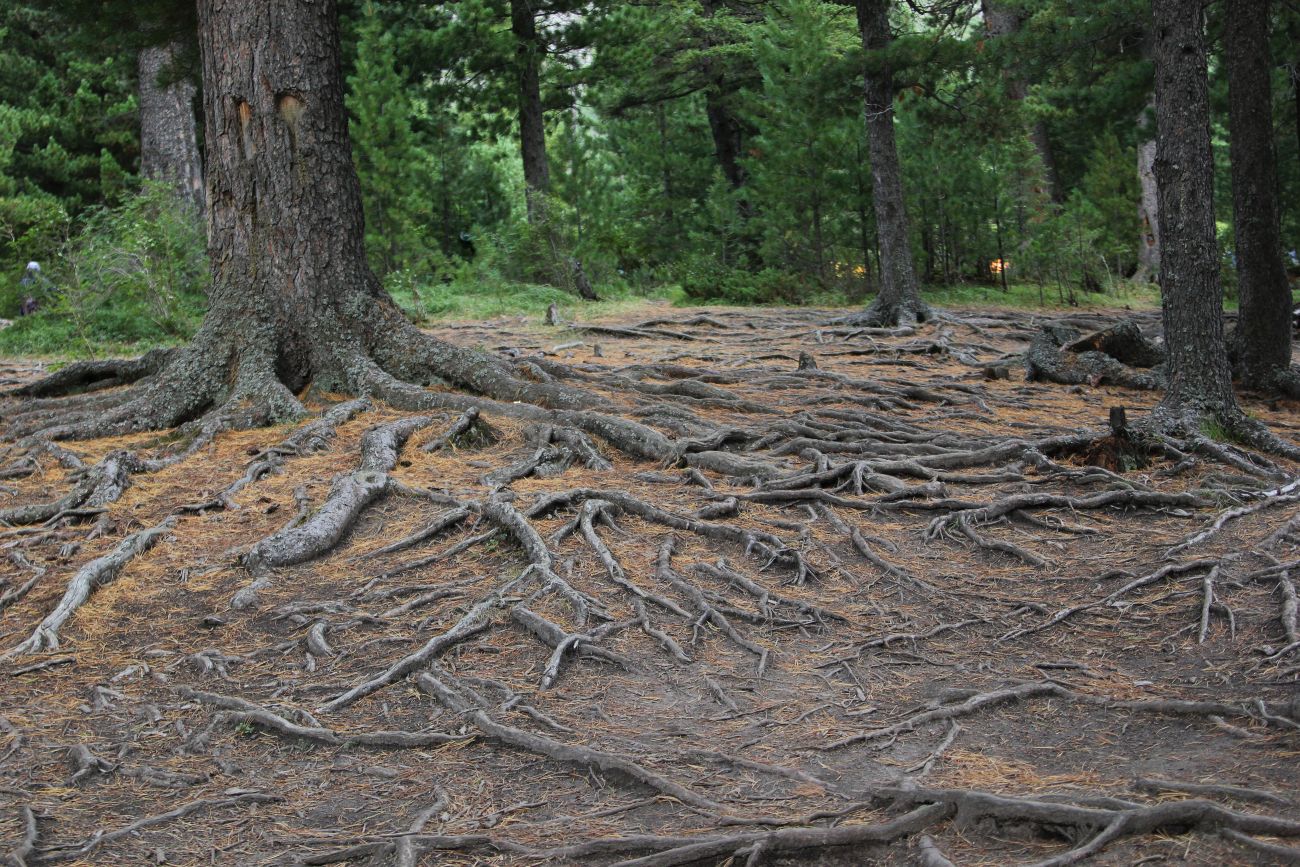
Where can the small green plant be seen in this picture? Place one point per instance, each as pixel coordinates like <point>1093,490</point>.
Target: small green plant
<point>134,276</point>
<point>245,729</point>
<point>1215,430</point>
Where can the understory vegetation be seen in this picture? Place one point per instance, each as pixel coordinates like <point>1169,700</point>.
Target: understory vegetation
<point>640,195</point>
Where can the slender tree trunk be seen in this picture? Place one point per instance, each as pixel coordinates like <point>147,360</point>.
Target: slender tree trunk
<point>1001,22</point>
<point>529,50</point>
<point>532,129</point>
<point>899,300</point>
<point>1263,337</point>
<point>1200,384</point>
<point>169,148</point>
<point>728,133</point>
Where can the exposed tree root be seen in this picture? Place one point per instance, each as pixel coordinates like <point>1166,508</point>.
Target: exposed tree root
<point>26,847</point>
<point>1060,354</point>
<point>620,612</point>
<point>788,840</point>
<point>1107,825</point>
<point>89,578</point>
<point>454,701</point>
<point>1022,692</point>
<point>78,851</point>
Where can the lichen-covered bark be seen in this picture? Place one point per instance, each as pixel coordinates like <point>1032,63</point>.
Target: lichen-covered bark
<point>1148,205</point>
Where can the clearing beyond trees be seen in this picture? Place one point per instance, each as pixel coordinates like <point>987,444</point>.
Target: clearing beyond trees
<point>887,600</point>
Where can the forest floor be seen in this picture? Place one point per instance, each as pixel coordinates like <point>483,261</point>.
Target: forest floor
<point>1075,674</point>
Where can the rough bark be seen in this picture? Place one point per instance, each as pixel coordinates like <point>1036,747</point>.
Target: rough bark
<point>1148,205</point>
<point>532,130</point>
<point>169,147</point>
<point>1002,22</point>
<point>1263,335</point>
<point>1200,383</point>
<point>293,301</point>
<point>899,300</point>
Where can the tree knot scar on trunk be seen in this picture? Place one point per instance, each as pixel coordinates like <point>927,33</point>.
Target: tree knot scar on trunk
<point>290,106</point>
<point>244,112</point>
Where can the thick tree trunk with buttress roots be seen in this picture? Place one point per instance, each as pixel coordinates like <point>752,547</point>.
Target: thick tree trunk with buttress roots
<point>1263,337</point>
<point>1200,383</point>
<point>169,145</point>
<point>292,302</point>
<point>899,301</point>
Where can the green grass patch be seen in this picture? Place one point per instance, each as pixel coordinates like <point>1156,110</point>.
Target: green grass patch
<point>1047,297</point>
<point>493,297</point>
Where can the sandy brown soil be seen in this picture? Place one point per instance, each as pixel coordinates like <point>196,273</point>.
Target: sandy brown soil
<point>851,650</point>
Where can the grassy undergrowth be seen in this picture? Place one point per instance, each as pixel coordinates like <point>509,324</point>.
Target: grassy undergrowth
<point>121,323</point>
<point>1138,296</point>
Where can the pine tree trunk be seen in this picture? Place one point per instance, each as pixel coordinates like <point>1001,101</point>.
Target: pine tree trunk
<point>1263,338</point>
<point>728,133</point>
<point>1148,204</point>
<point>532,128</point>
<point>899,300</point>
<point>169,148</point>
<point>1200,384</point>
<point>285,215</point>
<point>1001,22</point>
<point>293,302</point>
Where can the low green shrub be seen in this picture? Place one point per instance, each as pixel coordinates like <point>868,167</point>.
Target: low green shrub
<point>132,277</point>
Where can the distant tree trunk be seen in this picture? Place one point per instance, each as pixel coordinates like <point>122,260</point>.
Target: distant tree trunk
<point>169,147</point>
<point>1148,205</point>
<point>529,50</point>
<point>1002,22</point>
<point>532,128</point>
<point>728,139</point>
<point>728,133</point>
<point>899,299</point>
<point>1200,384</point>
<point>1263,338</point>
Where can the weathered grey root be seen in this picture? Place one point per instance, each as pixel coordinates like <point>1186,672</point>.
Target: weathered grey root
<point>786,840</point>
<point>1060,354</point>
<point>26,847</point>
<point>349,495</point>
<point>88,578</point>
<point>78,851</point>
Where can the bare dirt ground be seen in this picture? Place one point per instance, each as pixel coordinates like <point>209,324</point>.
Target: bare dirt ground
<point>883,610</point>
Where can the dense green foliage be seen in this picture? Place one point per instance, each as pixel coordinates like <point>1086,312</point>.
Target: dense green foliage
<point>133,276</point>
<point>642,193</point>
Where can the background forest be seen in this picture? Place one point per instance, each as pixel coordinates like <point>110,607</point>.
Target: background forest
<point>510,153</point>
